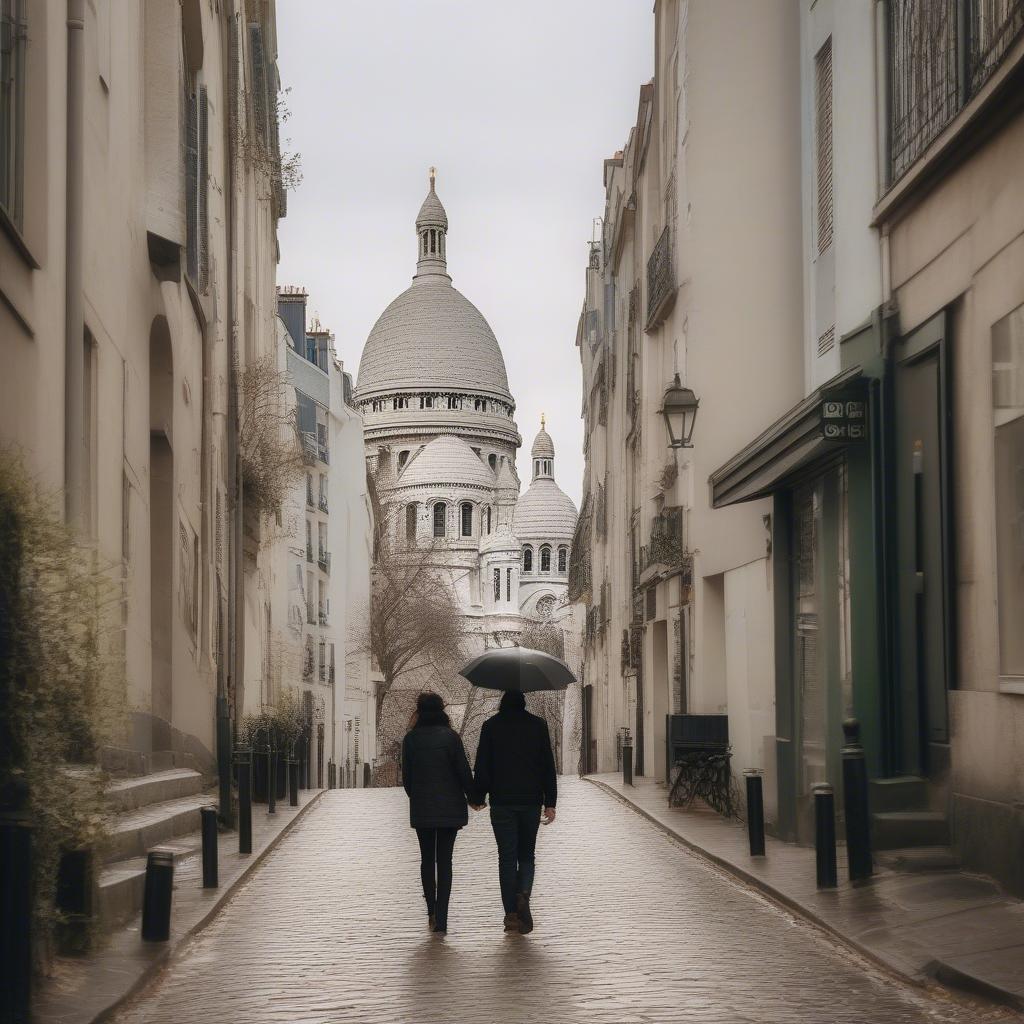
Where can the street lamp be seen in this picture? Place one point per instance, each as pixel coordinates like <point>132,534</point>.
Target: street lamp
<point>679,407</point>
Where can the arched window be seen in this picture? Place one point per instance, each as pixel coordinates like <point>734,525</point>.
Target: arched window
<point>545,558</point>
<point>466,513</point>
<point>492,461</point>
<point>433,242</point>
<point>488,518</point>
<point>497,584</point>
<point>453,402</point>
<point>410,523</point>
<point>439,519</point>
<point>563,558</point>
<point>527,559</point>
<point>403,458</point>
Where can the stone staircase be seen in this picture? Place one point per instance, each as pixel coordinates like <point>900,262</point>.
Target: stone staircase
<point>160,810</point>
<point>908,833</point>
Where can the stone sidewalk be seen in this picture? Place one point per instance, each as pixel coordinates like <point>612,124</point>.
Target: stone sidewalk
<point>958,928</point>
<point>631,929</point>
<point>84,989</point>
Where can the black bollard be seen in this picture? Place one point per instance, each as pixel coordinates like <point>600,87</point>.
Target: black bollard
<point>271,780</point>
<point>156,899</point>
<point>755,811</point>
<point>627,764</point>
<point>15,917</point>
<point>293,782</point>
<point>855,801</point>
<point>243,759</point>
<point>208,816</point>
<point>825,836</point>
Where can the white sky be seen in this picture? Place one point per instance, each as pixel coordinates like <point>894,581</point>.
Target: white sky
<point>517,104</point>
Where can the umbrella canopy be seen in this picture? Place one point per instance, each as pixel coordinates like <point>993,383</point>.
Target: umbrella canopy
<point>518,668</point>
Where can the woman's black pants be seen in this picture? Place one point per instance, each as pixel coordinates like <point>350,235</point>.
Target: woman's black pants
<point>436,846</point>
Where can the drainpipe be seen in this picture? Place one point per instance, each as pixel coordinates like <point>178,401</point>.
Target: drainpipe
<point>74,312</point>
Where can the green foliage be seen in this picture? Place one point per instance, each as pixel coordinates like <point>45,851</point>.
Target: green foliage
<point>61,680</point>
<point>289,718</point>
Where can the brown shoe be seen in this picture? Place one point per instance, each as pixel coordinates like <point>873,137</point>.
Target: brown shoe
<point>525,917</point>
<point>512,922</point>
<point>431,921</point>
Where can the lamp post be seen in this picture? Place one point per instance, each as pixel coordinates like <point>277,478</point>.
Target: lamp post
<point>679,407</point>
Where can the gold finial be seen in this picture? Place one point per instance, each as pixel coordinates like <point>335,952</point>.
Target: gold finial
<point>542,421</point>
<point>433,175</point>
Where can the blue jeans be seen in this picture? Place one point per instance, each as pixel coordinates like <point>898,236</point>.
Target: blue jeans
<point>515,831</point>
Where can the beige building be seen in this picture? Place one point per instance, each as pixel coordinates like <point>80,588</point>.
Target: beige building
<point>138,253</point>
<point>696,273</point>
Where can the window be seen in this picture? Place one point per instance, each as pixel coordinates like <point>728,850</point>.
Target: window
<point>13,35</point>
<point>823,142</point>
<point>563,559</point>
<point>488,518</point>
<point>492,461</point>
<point>309,488</point>
<point>410,523</point>
<point>439,519</point>
<point>400,403</point>
<point>508,584</point>
<point>497,584</point>
<point>453,402</point>
<point>403,458</point>
<point>1008,410</point>
<point>426,401</point>
<point>545,558</point>
<point>467,519</point>
<point>527,559</point>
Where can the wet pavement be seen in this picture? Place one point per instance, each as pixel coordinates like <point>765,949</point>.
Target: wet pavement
<point>631,927</point>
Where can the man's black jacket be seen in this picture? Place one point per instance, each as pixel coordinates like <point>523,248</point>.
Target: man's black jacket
<point>514,762</point>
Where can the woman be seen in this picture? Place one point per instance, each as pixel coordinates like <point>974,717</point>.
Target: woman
<point>437,778</point>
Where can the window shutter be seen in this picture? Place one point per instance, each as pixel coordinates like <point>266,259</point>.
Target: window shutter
<point>191,183</point>
<point>823,133</point>
<point>203,172</point>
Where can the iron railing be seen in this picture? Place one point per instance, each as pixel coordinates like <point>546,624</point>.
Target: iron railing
<point>666,545</point>
<point>322,617</point>
<point>661,283</point>
<point>309,447</point>
<point>324,561</point>
<point>323,503</point>
<point>324,453</point>
<point>941,52</point>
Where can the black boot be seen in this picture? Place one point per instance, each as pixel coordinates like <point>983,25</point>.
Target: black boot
<point>523,910</point>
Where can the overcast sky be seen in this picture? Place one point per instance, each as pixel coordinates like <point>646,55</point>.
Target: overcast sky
<point>517,105</point>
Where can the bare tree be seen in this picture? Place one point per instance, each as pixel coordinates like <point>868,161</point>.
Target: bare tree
<point>549,705</point>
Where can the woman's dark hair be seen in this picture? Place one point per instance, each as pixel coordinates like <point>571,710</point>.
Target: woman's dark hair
<point>512,700</point>
<point>430,710</point>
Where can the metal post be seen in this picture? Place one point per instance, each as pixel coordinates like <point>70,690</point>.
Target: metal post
<point>15,917</point>
<point>156,899</point>
<point>243,759</point>
<point>627,764</point>
<point>855,801</point>
<point>825,836</point>
<point>755,811</point>
<point>271,779</point>
<point>224,760</point>
<point>293,782</point>
<point>208,816</point>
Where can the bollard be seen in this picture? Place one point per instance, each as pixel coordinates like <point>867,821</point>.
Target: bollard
<point>293,782</point>
<point>243,759</point>
<point>208,817</point>
<point>627,764</point>
<point>156,899</point>
<point>15,917</point>
<point>271,781</point>
<point>825,836</point>
<point>755,811</point>
<point>855,801</point>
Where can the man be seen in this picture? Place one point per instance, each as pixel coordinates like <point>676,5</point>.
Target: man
<point>515,766</point>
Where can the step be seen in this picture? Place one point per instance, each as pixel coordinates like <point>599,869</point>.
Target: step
<point>901,793</point>
<point>122,883</point>
<point>894,830</point>
<point>134,833</point>
<point>132,794</point>
<point>919,858</point>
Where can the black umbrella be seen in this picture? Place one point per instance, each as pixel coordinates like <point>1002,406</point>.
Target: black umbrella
<point>518,668</point>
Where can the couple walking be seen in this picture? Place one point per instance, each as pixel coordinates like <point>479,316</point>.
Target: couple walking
<point>515,768</point>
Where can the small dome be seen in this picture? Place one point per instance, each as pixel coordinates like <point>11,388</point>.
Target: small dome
<point>545,511</point>
<point>502,539</point>
<point>445,460</point>
<point>543,446</point>
<point>507,479</point>
<point>432,213</point>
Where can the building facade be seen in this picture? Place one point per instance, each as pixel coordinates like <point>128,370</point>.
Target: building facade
<point>139,201</point>
<point>440,444</point>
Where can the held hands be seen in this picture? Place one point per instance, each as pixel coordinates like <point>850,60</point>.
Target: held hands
<point>548,816</point>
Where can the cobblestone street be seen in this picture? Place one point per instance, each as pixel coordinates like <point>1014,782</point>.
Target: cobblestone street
<point>332,929</point>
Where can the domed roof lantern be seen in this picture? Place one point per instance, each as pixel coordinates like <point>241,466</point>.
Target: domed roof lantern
<point>431,229</point>
<point>543,454</point>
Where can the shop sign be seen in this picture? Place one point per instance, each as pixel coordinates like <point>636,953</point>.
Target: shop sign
<point>844,416</point>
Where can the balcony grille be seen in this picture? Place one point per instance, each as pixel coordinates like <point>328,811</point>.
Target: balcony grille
<point>661,285</point>
<point>309,447</point>
<point>667,547</point>
<point>324,561</point>
<point>995,26</point>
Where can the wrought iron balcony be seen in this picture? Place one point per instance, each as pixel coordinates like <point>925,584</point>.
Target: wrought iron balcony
<point>309,500</point>
<point>324,561</point>
<point>661,281</point>
<point>322,617</point>
<point>666,546</point>
<point>309,448</point>
<point>324,453</point>
<point>323,503</point>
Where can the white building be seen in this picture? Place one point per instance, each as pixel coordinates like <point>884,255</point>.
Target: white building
<point>441,443</point>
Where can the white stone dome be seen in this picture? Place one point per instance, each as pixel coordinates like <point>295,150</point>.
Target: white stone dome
<point>543,446</point>
<point>501,540</point>
<point>545,511</point>
<point>432,337</point>
<point>445,461</point>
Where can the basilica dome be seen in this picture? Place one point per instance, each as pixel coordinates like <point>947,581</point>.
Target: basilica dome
<point>545,511</point>
<point>448,461</point>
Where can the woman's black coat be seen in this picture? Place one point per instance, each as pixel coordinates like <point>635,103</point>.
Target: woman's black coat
<point>436,775</point>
